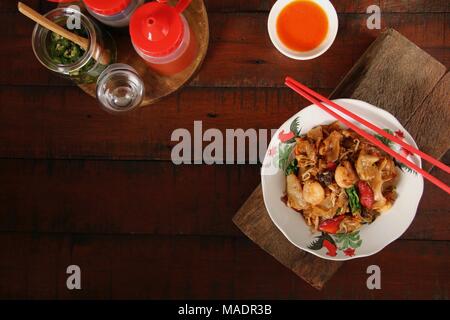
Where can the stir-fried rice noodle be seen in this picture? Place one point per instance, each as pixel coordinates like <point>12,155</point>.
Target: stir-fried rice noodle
<point>340,176</point>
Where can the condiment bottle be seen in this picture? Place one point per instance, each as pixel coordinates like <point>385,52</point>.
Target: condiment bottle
<point>114,13</point>
<point>87,68</point>
<point>120,88</point>
<point>162,37</point>
<point>67,2</point>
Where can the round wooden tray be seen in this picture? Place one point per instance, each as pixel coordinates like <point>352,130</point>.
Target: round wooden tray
<point>156,86</point>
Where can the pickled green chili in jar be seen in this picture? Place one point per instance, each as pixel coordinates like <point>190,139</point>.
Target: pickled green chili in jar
<point>64,51</point>
<point>67,58</point>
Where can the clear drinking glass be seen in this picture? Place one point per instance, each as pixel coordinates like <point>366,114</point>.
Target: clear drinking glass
<point>120,88</point>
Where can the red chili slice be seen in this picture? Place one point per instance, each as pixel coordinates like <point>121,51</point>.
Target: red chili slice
<point>331,166</point>
<point>331,225</point>
<point>366,196</point>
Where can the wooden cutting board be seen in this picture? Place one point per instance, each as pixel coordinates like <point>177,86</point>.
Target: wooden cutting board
<point>393,74</point>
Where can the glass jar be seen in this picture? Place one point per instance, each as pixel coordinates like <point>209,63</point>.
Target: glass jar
<point>100,52</point>
<point>120,88</point>
<point>162,37</point>
<point>114,13</point>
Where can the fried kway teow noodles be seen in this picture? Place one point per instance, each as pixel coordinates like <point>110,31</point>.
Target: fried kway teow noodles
<point>338,180</point>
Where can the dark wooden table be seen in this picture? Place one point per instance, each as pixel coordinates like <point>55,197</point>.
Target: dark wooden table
<point>79,186</point>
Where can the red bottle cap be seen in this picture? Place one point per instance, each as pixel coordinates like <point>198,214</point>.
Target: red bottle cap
<point>156,29</point>
<point>62,1</point>
<point>107,7</point>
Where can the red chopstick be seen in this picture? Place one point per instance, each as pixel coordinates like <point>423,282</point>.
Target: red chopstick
<point>385,134</point>
<point>313,96</point>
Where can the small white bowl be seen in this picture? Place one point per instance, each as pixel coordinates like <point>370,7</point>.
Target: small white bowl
<point>333,25</point>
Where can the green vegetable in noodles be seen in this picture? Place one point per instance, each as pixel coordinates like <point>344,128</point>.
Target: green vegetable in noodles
<point>292,168</point>
<point>353,200</point>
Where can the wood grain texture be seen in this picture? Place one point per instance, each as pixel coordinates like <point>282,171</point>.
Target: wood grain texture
<point>236,58</point>
<point>158,267</point>
<point>342,6</point>
<point>254,221</point>
<point>124,197</point>
<point>393,74</point>
<point>430,123</point>
<point>148,229</point>
<point>50,123</point>
<point>238,6</point>
<point>407,82</point>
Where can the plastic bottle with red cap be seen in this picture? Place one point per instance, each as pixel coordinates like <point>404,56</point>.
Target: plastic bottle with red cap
<point>114,13</point>
<point>162,37</point>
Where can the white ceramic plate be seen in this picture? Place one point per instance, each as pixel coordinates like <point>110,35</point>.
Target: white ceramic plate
<point>371,238</point>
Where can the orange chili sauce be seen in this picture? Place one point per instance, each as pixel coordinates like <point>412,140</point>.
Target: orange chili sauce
<point>178,65</point>
<point>302,25</point>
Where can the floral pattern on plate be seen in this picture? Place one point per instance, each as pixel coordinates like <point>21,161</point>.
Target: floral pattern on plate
<point>364,241</point>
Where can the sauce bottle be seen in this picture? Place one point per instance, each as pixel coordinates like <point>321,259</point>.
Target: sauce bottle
<point>162,37</point>
<point>114,13</point>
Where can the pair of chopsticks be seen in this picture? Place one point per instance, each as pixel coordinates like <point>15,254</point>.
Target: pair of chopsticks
<point>317,99</point>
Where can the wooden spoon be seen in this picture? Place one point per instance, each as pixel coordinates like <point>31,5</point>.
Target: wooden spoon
<point>101,56</point>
